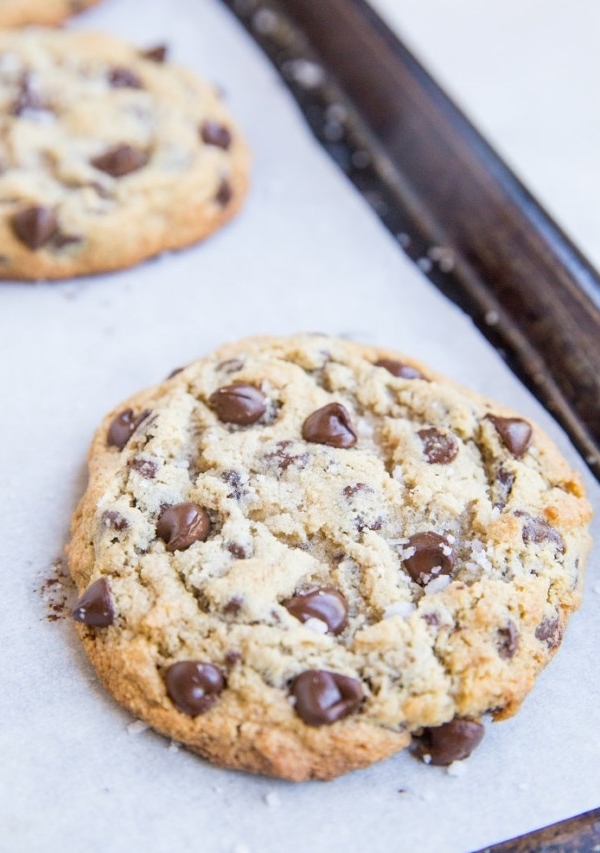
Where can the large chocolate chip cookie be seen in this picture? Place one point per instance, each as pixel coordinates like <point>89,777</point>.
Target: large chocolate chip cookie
<point>296,555</point>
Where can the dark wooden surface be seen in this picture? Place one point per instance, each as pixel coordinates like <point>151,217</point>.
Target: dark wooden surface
<point>437,185</point>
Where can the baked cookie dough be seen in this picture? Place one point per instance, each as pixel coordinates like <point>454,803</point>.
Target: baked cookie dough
<point>18,13</point>
<point>297,555</point>
<point>108,155</point>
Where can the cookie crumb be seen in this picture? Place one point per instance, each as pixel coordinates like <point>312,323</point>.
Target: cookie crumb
<point>56,591</point>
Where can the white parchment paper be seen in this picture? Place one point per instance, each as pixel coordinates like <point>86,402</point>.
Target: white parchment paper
<point>306,254</point>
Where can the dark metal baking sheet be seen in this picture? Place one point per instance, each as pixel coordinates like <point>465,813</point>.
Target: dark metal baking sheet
<point>454,205</point>
<point>459,212</point>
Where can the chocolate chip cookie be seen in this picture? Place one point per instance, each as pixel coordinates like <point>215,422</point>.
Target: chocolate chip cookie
<point>298,555</point>
<point>108,155</point>
<point>18,13</point>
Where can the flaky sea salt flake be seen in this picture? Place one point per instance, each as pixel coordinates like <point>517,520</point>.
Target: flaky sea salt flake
<point>137,728</point>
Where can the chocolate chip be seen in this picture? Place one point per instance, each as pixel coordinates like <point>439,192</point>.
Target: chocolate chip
<point>283,456</point>
<point>239,404</point>
<point>324,697</point>
<point>181,525</point>
<point>232,365</point>
<point>514,432</point>
<point>330,425</point>
<point>194,687</point>
<point>224,193</point>
<point>123,427</point>
<point>432,557</point>
<point>124,78</point>
<point>34,226</point>
<point>233,657</point>
<point>538,531</point>
<point>325,604</point>
<point>215,134</point>
<point>549,632</point>
<point>439,448</point>
<point>454,741</point>
<point>233,607</point>
<point>237,550</point>
<point>156,54</point>
<point>94,607</point>
<point>114,520</point>
<point>397,368</point>
<point>63,241</point>
<point>233,479</point>
<point>508,640</point>
<point>357,489</point>
<point>28,100</point>
<point>503,487</point>
<point>145,467</point>
<point>120,160</point>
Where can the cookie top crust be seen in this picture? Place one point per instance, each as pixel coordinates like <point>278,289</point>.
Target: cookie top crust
<point>108,155</point>
<point>298,553</point>
<point>18,13</point>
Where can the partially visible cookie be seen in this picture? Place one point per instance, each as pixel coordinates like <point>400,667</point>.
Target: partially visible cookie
<point>108,155</point>
<point>296,555</point>
<point>19,13</point>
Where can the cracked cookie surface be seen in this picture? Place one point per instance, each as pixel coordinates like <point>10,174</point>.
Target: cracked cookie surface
<point>109,155</point>
<point>19,13</point>
<point>297,554</point>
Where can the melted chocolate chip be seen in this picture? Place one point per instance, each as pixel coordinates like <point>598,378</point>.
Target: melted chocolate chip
<point>34,226</point>
<point>224,193</point>
<point>124,78</point>
<point>215,134</point>
<point>145,467</point>
<point>123,427</point>
<point>508,640</point>
<point>325,604</point>
<point>158,53</point>
<point>194,687</point>
<point>120,160</point>
<point>114,520</point>
<point>324,697</point>
<point>239,404</point>
<point>549,632</point>
<point>397,368</point>
<point>429,560</point>
<point>94,607</point>
<point>514,432</point>
<point>330,425</point>
<point>454,741</point>
<point>181,525</point>
<point>283,456</point>
<point>439,448</point>
<point>538,531</point>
